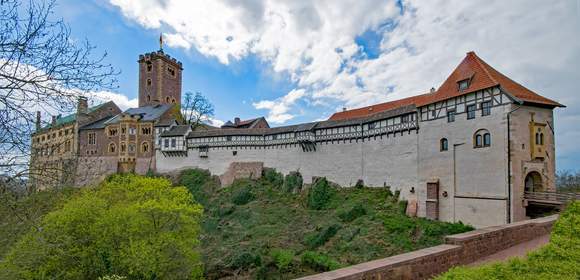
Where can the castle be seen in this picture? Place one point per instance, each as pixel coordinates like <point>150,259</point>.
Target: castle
<point>467,151</point>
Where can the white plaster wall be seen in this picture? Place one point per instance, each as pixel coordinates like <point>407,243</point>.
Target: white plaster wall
<point>391,160</point>
<point>464,171</point>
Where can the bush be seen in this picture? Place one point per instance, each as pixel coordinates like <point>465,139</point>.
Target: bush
<point>273,177</point>
<point>245,260</point>
<point>356,211</point>
<point>293,182</point>
<point>320,194</point>
<point>318,239</point>
<point>243,196</point>
<point>282,258</point>
<point>319,262</point>
<point>130,226</point>
<point>557,260</point>
<point>195,180</point>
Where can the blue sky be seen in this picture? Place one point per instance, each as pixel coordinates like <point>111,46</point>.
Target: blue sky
<point>299,61</point>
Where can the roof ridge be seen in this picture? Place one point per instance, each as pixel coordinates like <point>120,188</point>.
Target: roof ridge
<point>483,66</point>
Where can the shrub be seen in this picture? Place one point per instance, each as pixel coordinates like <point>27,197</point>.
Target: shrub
<point>282,258</point>
<point>243,196</point>
<point>320,194</point>
<point>403,206</point>
<point>293,182</point>
<point>557,260</point>
<point>318,239</point>
<point>356,211</point>
<point>359,184</point>
<point>245,260</point>
<point>195,181</point>
<point>273,177</point>
<point>130,226</point>
<point>318,262</point>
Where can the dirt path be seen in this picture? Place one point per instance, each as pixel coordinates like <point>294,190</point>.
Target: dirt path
<point>519,250</point>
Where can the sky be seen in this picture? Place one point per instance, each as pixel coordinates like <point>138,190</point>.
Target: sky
<point>298,61</point>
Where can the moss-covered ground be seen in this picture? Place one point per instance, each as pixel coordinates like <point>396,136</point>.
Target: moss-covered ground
<point>271,228</point>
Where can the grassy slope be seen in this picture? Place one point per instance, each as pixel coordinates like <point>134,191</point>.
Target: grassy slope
<point>274,235</point>
<point>18,215</point>
<point>560,259</point>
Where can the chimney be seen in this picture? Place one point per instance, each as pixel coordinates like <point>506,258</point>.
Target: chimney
<point>53,123</point>
<point>82,107</point>
<point>432,90</point>
<point>344,109</point>
<point>236,121</point>
<point>37,120</point>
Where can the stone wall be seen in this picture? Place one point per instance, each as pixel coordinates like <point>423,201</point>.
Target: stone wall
<point>238,170</point>
<point>461,249</point>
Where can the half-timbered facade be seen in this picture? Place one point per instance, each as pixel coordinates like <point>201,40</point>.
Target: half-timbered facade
<point>464,152</point>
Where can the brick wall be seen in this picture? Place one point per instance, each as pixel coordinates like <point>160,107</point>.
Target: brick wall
<point>460,249</point>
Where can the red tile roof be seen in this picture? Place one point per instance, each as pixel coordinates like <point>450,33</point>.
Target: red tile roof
<point>472,68</point>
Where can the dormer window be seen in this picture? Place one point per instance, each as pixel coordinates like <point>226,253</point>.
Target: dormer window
<point>463,84</point>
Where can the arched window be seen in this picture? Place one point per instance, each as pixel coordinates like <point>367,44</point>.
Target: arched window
<point>167,99</point>
<point>112,147</point>
<point>123,147</point>
<point>443,144</point>
<point>173,100</point>
<point>144,147</point>
<point>541,138</point>
<point>481,138</point>
<point>537,138</point>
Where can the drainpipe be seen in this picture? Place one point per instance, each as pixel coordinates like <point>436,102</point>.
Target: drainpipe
<point>509,168</point>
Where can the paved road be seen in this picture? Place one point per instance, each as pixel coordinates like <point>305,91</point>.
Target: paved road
<point>519,250</point>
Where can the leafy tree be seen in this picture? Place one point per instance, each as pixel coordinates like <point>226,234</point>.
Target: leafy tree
<point>195,109</point>
<point>131,226</point>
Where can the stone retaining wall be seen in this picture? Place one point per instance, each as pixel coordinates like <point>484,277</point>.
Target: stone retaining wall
<point>460,249</point>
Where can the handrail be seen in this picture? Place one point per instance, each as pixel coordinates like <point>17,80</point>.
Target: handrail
<point>552,196</point>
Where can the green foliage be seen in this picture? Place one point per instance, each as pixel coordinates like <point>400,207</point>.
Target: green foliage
<point>282,258</point>
<point>319,262</point>
<point>245,260</point>
<point>196,181</point>
<point>317,239</point>
<point>320,194</point>
<point>234,236</point>
<point>560,259</point>
<point>18,215</point>
<point>243,196</point>
<point>273,177</point>
<point>133,226</point>
<point>293,182</point>
<point>356,211</point>
<point>112,277</point>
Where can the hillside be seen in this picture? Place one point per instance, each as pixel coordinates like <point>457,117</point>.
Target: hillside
<point>268,228</point>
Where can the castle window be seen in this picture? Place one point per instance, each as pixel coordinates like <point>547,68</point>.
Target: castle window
<point>112,148</point>
<point>443,144</point>
<point>144,147</point>
<point>148,98</point>
<point>171,71</point>
<point>123,147</point>
<point>145,130</point>
<point>92,138</point>
<point>148,82</point>
<point>173,143</point>
<point>482,138</point>
<point>471,111</point>
<point>166,143</point>
<point>67,146</point>
<point>167,99</point>
<point>123,130</point>
<point>463,84</point>
<point>173,100</point>
<point>405,118</point>
<point>451,116</point>
<point>149,66</point>
<point>131,148</point>
<point>112,131</point>
<point>132,131</point>
<point>486,108</point>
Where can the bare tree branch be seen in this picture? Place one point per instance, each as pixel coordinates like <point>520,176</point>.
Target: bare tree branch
<point>196,109</point>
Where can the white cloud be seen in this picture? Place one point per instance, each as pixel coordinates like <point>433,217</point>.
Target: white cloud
<point>278,109</point>
<point>121,100</point>
<point>535,42</point>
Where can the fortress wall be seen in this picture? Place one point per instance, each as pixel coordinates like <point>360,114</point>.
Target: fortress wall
<point>391,160</point>
<point>475,179</point>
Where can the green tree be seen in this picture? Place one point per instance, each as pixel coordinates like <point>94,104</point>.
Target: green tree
<point>132,226</point>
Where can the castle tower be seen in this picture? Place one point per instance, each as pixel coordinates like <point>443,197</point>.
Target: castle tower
<point>159,78</point>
